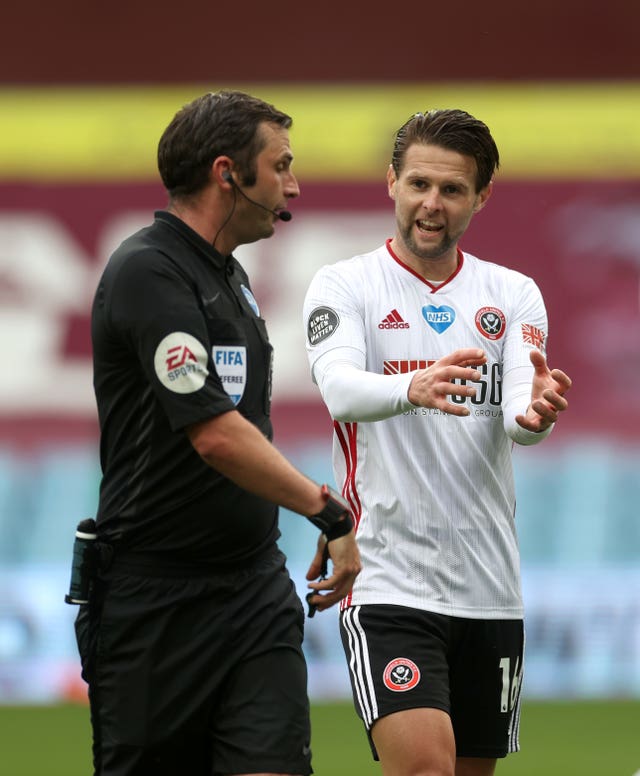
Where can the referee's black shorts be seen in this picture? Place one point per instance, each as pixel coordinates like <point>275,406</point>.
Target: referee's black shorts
<point>402,658</point>
<point>197,675</point>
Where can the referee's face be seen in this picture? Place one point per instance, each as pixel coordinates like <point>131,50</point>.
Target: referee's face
<point>435,199</point>
<point>275,185</point>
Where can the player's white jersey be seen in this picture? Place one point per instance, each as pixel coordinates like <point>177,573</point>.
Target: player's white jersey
<point>433,494</point>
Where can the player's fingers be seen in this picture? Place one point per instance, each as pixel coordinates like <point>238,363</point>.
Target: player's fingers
<point>556,400</point>
<point>430,387</point>
<point>453,409</point>
<point>527,424</point>
<point>538,360</point>
<point>464,374</point>
<point>561,378</point>
<point>441,380</point>
<point>463,389</point>
<point>464,357</point>
<point>545,411</point>
<point>539,422</point>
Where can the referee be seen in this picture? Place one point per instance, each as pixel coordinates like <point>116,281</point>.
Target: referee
<point>191,641</point>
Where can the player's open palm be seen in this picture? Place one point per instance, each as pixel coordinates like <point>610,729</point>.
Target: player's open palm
<point>547,395</point>
<point>430,387</point>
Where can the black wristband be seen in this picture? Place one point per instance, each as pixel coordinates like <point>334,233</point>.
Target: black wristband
<point>335,519</point>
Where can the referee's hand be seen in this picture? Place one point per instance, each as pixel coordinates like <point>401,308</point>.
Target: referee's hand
<point>346,565</point>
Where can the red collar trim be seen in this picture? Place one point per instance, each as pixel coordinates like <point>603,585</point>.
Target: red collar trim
<point>435,289</point>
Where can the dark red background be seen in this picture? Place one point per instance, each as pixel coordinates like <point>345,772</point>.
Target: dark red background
<point>591,296</point>
<point>140,41</point>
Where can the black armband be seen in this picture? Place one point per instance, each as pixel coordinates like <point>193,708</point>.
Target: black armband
<point>335,519</point>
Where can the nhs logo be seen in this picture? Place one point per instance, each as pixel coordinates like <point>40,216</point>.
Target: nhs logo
<point>230,362</point>
<point>439,318</point>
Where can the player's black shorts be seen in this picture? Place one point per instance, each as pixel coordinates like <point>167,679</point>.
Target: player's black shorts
<point>197,675</point>
<point>402,658</point>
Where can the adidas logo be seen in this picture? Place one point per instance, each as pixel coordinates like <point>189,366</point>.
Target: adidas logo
<point>393,321</point>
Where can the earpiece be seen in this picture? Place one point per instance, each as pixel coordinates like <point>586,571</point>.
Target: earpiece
<point>283,215</point>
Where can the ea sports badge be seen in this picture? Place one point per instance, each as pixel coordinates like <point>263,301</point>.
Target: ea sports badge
<point>180,363</point>
<point>400,675</point>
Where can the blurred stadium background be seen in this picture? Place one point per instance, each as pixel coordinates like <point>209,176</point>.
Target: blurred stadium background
<point>84,95</point>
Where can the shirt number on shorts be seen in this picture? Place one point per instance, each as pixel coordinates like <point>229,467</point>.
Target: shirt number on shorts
<point>510,684</point>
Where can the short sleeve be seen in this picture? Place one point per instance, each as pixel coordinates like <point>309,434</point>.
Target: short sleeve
<point>154,307</point>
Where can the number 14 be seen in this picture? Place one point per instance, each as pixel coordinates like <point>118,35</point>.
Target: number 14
<point>510,687</point>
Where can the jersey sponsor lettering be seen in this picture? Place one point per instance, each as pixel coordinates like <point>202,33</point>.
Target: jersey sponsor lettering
<point>439,318</point>
<point>491,323</point>
<point>180,363</point>
<point>488,387</point>
<point>401,675</point>
<point>323,321</point>
<point>426,411</point>
<point>231,365</point>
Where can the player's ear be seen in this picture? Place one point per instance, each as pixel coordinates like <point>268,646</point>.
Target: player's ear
<point>391,182</point>
<point>483,196</point>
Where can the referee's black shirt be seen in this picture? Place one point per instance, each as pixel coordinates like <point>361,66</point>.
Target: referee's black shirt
<point>177,339</point>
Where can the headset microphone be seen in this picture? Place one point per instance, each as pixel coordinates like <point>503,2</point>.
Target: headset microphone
<point>283,215</point>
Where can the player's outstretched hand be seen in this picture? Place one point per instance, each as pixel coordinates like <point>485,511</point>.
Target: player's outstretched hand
<point>431,386</point>
<point>547,395</point>
<point>346,565</point>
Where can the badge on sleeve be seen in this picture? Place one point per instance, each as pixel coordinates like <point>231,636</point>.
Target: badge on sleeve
<point>322,323</point>
<point>251,299</point>
<point>532,335</point>
<point>180,362</point>
<point>231,365</point>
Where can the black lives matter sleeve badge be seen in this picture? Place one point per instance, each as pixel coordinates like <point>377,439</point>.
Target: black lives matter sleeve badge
<point>323,321</point>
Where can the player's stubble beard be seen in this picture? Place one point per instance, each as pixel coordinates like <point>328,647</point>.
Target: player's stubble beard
<point>445,245</point>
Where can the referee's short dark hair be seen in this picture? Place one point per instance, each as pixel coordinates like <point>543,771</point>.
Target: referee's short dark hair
<point>218,123</point>
<point>455,130</point>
